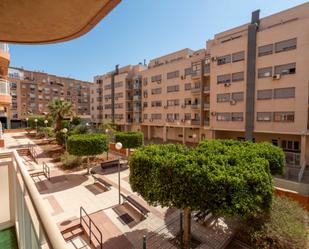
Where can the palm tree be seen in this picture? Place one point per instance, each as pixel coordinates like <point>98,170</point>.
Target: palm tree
<point>59,109</point>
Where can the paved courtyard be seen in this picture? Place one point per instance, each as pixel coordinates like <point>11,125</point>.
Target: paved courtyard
<point>121,225</point>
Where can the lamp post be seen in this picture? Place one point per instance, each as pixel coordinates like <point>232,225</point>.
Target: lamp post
<point>119,147</point>
<point>45,122</point>
<point>65,131</point>
<point>36,125</point>
<point>27,122</point>
<point>106,132</point>
<point>194,137</point>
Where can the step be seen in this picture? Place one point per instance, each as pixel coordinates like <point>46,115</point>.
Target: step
<point>72,232</point>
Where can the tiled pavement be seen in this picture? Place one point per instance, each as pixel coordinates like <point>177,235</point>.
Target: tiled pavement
<point>121,226</point>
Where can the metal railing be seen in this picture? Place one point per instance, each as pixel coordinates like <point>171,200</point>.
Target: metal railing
<point>4,87</point>
<point>90,225</point>
<point>33,153</point>
<point>46,171</point>
<point>4,47</point>
<point>35,227</point>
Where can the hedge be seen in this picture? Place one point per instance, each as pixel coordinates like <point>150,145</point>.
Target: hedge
<point>130,139</point>
<point>40,122</point>
<point>87,144</point>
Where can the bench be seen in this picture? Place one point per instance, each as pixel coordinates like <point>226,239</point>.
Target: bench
<point>136,205</point>
<point>110,164</point>
<point>101,181</point>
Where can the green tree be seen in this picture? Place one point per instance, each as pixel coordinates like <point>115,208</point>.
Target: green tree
<point>87,145</point>
<point>234,181</point>
<point>59,110</point>
<point>130,140</point>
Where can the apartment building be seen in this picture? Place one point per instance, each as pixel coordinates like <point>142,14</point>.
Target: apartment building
<point>5,98</point>
<point>251,82</point>
<point>32,92</point>
<point>116,97</point>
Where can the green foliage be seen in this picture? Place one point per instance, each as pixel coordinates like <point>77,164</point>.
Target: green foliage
<point>224,176</point>
<point>80,129</point>
<point>60,137</point>
<point>273,154</point>
<point>58,110</point>
<point>70,161</point>
<point>65,124</point>
<point>87,144</point>
<point>130,139</point>
<point>284,228</point>
<point>48,131</point>
<point>76,121</point>
<point>112,128</point>
<point>40,123</point>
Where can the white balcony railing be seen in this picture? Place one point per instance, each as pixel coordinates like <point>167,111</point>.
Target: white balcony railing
<point>4,87</point>
<point>4,47</point>
<point>23,207</point>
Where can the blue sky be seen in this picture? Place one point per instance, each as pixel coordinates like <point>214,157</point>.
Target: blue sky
<point>141,29</point>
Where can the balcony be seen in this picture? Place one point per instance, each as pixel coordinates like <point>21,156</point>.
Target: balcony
<point>196,89</point>
<point>195,122</point>
<point>206,106</point>
<point>137,97</point>
<point>23,206</point>
<point>5,97</point>
<point>206,123</point>
<point>137,86</point>
<point>196,74</point>
<point>206,68</point>
<point>207,89</point>
<point>195,106</point>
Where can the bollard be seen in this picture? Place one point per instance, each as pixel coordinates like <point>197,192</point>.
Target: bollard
<point>144,242</point>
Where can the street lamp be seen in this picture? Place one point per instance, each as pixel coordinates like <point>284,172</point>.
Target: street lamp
<point>118,147</point>
<point>27,122</point>
<point>45,122</point>
<point>106,132</point>
<point>36,125</point>
<point>65,131</point>
<point>194,137</point>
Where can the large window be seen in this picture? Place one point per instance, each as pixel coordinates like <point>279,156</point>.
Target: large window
<point>264,116</point>
<point>156,78</point>
<point>187,116</point>
<point>223,116</point>
<point>156,116</point>
<point>172,88</point>
<point>172,102</point>
<point>237,116</point>
<point>156,91</point>
<point>224,59</point>
<point>156,103</point>
<point>238,96</point>
<point>238,76</point>
<point>172,75</point>
<point>118,84</point>
<point>225,78</point>
<point>265,72</point>
<point>284,116</point>
<point>188,71</point>
<point>223,97</point>
<point>240,56</point>
<point>284,93</point>
<point>285,45</point>
<point>264,94</point>
<point>286,69</point>
<point>265,50</point>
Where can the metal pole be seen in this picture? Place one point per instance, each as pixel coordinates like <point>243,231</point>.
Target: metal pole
<point>119,180</point>
<point>144,242</point>
<point>181,231</point>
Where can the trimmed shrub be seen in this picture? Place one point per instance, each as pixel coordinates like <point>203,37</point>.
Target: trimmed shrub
<point>40,123</point>
<point>129,139</point>
<point>284,228</point>
<point>49,131</point>
<point>76,121</point>
<point>87,144</point>
<point>70,161</point>
<point>60,137</point>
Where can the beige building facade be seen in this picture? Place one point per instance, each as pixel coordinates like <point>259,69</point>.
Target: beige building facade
<point>32,92</point>
<point>250,82</point>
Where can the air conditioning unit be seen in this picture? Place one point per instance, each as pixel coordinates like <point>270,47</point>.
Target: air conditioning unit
<point>213,113</point>
<point>227,84</point>
<point>276,77</point>
<point>233,102</point>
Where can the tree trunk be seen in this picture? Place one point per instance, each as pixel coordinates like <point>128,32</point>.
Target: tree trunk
<point>58,124</point>
<point>88,166</point>
<point>187,228</point>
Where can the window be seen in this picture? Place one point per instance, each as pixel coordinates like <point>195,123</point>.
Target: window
<point>263,116</point>
<point>284,116</point>
<point>238,96</point>
<point>188,71</point>
<point>156,78</point>
<point>187,116</point>
<point>290,145</point>
<point>225,78</point>
<point>172,75</point>
<point>169,116</point>
<point>156,116</point>
<point>265,72</point>
<point>265,50</point>
<point>265,94</point>
<point>223,97</point>
<point>145,116</point>
<point>187,86</point>
<point>145,94</point>
<point>240,56</point>
<point>237,116</point>
<point>109,86</point>
<point>285,45</point>
<point>172,88</point>
<point>223,116</point>
<point>145,104</point>
<point>118,84</point>
<point>173,102</point>
<point>188,101</point>
<point>156,103</point>
<point>286,69</point>
<point>284,93</point>
<point>238,76</point>
<point>156,91</point>
<point>223,59</point>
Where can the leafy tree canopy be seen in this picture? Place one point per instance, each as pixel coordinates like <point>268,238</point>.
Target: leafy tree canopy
<point>130,139</point>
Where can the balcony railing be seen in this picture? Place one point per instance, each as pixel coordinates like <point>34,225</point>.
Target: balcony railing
<point>206,106</point>
<point>4,87</point>
<point>23,206</point>
<point>196,89</point>
<point>195,122</point>
<point>137,97</point>
<point>4,47</point>
<point>206,88</point>
<point>195,106</point>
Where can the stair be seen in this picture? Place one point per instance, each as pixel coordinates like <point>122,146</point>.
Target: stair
<point>23,152</point>
<point>72,232</point>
